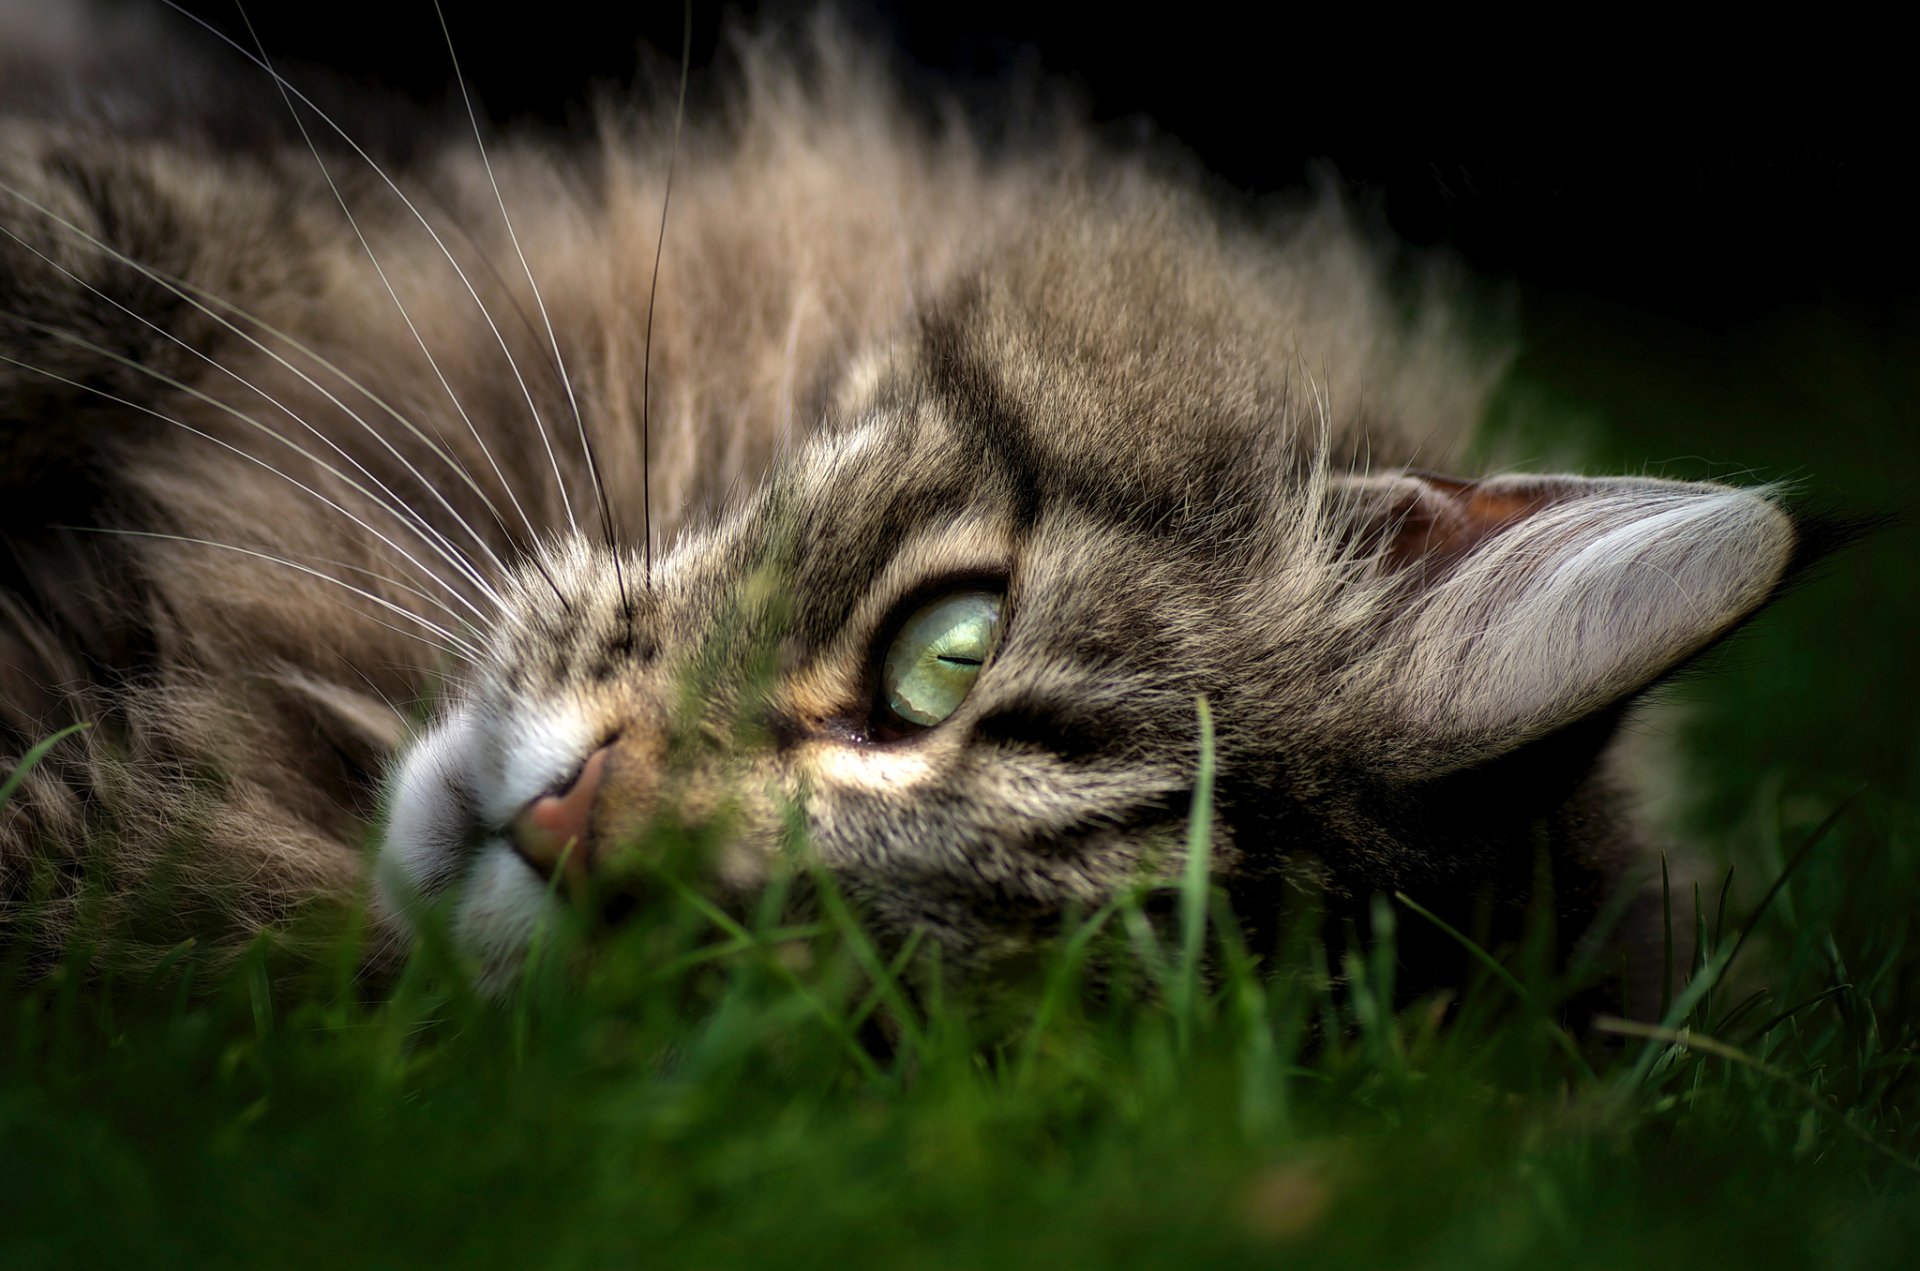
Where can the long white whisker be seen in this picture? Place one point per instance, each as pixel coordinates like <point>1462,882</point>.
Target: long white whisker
<point>453,644</point>
<point>393,502</point>
<point>436,447</point>
<point>405,720</point>
<point>226,445</point>
<point>327,175</point>
<point>653,297</point>
<point>289,93</point>
<point>401,584</point>
<point>539,303</point>
<point>195,295</point>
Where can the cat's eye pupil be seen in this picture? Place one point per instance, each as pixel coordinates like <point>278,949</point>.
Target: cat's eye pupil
<point>937,654</point>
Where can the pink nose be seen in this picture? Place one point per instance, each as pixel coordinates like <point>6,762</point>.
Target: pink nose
<point>554,832</point>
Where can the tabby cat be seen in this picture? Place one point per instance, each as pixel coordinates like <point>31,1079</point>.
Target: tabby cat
<point>441,518</point>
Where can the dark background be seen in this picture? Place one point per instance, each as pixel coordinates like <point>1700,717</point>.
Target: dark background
<point>1702,175</point>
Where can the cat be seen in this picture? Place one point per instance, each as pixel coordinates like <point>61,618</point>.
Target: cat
<point>429,521</point>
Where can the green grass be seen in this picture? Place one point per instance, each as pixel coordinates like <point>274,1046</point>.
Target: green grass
<point>709,1095</point>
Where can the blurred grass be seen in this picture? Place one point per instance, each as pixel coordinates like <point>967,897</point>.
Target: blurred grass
<point>687,1103</point>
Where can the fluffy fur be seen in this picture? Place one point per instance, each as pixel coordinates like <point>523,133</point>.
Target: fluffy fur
<point>338,461</point>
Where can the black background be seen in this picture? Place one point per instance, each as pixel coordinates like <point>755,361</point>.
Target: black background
<point>1703,175</point>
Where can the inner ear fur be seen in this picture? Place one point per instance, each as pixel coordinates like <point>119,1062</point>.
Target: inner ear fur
<point>1530,602</point>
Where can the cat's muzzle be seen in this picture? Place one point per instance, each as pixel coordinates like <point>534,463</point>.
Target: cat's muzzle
<point>590,837</point>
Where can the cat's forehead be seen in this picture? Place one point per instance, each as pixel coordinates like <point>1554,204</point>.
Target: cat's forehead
<point>1071,406</point>
<point>1003,399</point>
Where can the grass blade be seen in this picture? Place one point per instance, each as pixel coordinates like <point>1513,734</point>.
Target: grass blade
<point>32,758</point>
<point>1703,1044</point>
<point>1194,883</point>
<point>1787,871</point>
<point>1561,1036</point>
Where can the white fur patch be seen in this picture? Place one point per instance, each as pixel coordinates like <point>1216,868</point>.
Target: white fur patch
<point>441,783</point>
<point>501,907</point>
<point>542,750</point>
<point>421,849</point>
<point>873,767</point>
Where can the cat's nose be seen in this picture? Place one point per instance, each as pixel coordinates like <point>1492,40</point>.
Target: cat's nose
<point>554,832</point>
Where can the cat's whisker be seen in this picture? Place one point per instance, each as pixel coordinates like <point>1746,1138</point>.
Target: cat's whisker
<point>448,642</point>
<point>289,93</point>
<point>471,631</point>
<point>425,571</point>
<point>653,295</point>
<point>373,575</point>
<point>387,283</point>
<point>554,340</point>
<point>435,446</point>
<point>406,721</point>
<point>393,501</point>
<point>200,298</point>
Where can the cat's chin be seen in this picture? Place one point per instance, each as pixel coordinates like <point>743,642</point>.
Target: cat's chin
<point>501,910</point>
<point>438,865</point>
<point>492,914</point>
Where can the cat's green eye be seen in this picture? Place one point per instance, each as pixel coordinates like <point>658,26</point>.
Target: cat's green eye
<point>934,659</point>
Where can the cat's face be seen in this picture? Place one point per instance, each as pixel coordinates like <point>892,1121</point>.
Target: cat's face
<point>959,675</point>
<point>974,468</point>
<point>951,650</point>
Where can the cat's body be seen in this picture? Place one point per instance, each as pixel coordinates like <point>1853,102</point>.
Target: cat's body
<point>1179,456</point>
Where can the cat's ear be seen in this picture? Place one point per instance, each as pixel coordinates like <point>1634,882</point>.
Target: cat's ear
<point>1529,602</point>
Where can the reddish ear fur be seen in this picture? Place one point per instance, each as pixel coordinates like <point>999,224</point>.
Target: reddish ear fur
<point>1452,517</point>
<point>1437,520</point>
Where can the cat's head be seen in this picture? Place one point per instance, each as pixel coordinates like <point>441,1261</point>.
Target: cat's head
<point>951,649</point>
